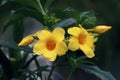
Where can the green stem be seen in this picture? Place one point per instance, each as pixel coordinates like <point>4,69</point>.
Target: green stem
<point>27,63</point>
<point>70,74</point>
<point>53,67</point>
<point>38,67</point>
<point>49,77</point>
<point>37,64</point>
<point>41,8</point>
<point>46,27</point>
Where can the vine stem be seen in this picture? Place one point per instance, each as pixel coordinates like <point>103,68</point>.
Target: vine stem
<point>70,74</point>
<point>27,64</point>
<point>53,67</point>
<point>41,8</point>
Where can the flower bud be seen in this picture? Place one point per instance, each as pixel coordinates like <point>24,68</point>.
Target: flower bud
<point>26,40</point>
<point>100,29</point>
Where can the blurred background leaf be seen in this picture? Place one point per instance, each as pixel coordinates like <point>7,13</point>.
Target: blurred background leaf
<point>13,45</point>
<point>64,23</point>
<point>103,75</point>
<point>28,3</point>
<point>48,3</point>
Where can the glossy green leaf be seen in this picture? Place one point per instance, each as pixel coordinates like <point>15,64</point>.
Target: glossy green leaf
<point>30,13</point>
<point>13,45</point>
<point>75,62</point>
<point>16,58</point>
<point>48,4</point>
<point>103,75</point>
<point>87,18</point>
<point>4,13</point>
<point>64,23</point>
<point>16,21</point>
<point>12,20</point>
<point>72,12</point>
<point>18,30</point>
<point>1,2</point>
<point>31,3</point>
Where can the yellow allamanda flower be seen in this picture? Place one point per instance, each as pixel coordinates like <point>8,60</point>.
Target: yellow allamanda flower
<point>81,39</point>
<point>50,44</point>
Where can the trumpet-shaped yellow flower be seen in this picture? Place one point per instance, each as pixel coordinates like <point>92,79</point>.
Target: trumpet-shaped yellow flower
<point>81,39</point>
<point>50,44</point>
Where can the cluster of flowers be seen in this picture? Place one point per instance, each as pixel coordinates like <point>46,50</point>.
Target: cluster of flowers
<point>51,44</point>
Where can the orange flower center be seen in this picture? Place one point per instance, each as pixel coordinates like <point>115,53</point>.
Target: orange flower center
<point>50,44</point>
<point>82,38</point>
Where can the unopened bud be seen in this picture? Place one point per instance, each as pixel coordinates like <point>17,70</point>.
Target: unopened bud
<point>100,29</point>
<point>26,40</point>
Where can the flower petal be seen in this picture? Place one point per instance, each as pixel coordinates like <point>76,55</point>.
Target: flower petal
<point>39,48</point>
<point>83,29</point>
<point>59,33</point>
<point>73,44</point>
<point>87,51</point>
<point>43,34</point>
<point>50,55</point>
<point>61,48</point>
<point>90,40</point>
<point>74,31</point>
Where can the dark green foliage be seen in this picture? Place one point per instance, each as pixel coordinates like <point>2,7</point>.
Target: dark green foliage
<point>54,14</point>
<point>103,75</point>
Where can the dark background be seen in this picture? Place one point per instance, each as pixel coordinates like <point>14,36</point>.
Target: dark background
<point>108,45</point>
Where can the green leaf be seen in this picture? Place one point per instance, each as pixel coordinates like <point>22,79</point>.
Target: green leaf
<point>13,45</point>
<point>103,75</point>
<point>31,3</point>
<point>12,20</point>
<point>2,1</point>
<point>73,13</point>
<point>64,23</point>
<point>18,30</point>
<point>15,58</point>
<point>48,4</point>
<point>31,13</point>
<point>87,18</point>
<point>75,62</point>
<point>59,13</point>
<point>17,21</point>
